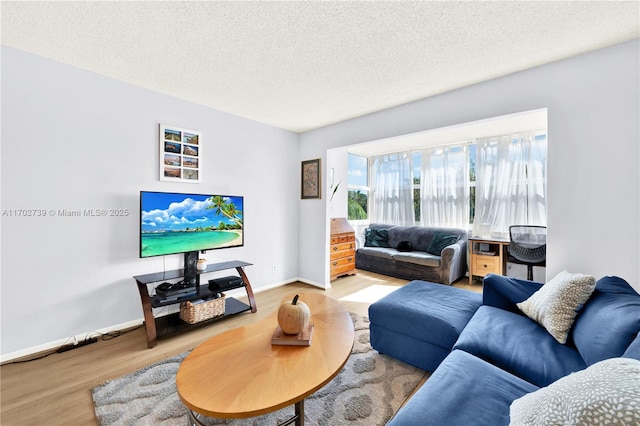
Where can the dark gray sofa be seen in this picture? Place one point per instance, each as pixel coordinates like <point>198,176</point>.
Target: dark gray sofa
<point>445,268</point>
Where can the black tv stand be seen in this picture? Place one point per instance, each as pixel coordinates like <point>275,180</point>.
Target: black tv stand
<point>232,306</point>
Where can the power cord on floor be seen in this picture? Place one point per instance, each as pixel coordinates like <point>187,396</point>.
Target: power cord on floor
<point>82,342</point>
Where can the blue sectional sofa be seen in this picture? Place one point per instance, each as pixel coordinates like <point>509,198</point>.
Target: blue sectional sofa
<point>485,353</point>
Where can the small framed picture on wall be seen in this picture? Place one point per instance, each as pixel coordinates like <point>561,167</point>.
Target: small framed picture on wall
<point>180,154</point>
<point>310,179</point>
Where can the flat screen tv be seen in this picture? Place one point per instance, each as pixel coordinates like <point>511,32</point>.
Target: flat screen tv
<point>178,223</point>
<point>172,223</point>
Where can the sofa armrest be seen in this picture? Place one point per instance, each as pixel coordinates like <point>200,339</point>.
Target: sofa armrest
<point>359,241</point>
<point>504,292</point>
<point>450,252</point>
<point>453,261</point>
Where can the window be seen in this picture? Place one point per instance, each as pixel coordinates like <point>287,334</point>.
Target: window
<point>391,189</point>
<point>417,167</point>
<point>358,187</point>
<point>511,183</point>
<point>416,159</point>
<point>473,149</point>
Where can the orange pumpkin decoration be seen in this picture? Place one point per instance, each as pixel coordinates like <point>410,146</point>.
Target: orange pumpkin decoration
<point>293,317</point>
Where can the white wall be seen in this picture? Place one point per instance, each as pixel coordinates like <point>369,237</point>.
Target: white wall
<point>594,138</point>
<point>338,160</point>
<point>72,139</point>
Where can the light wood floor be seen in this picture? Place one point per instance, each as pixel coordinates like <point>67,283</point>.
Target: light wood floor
<point>56,390</point>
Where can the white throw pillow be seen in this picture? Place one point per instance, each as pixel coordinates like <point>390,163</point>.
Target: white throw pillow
<point>606,393</point>
<point>555,305</point>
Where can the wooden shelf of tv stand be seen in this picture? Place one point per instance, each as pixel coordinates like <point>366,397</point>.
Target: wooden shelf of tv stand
<point>232,306</point>
<point>158,302</point>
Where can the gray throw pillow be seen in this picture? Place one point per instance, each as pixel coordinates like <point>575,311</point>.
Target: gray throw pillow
<point>556,304</point>
<point>606,393</point>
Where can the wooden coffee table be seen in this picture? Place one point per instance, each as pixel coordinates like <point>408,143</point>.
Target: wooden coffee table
<point>239,374</point>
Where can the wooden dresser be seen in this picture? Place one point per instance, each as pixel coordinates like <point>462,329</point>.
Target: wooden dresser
<point>342,248</point>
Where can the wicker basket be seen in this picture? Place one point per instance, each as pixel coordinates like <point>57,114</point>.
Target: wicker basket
<point>193,313</point>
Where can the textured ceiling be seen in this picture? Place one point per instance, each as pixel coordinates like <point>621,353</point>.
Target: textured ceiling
<point>302,65</point>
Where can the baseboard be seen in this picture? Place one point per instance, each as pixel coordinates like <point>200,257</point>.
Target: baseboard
<point>53,345</point>
<point>315,284</point>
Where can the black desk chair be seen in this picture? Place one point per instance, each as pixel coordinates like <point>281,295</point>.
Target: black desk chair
<point>528,246</point>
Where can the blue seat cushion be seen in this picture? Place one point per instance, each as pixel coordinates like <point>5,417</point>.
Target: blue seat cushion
<point>464,390</point>
<point>418,353</point>
<point>633,351</point>
<point>609,321</point>
<point>506,292</point>
<point>426,311</point>
<point>518,345</point>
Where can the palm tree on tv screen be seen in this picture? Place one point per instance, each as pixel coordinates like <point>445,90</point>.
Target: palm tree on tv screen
<point>227,209</point>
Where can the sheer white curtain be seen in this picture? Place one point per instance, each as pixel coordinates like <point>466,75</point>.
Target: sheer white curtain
<point>444,187</point>
<point>391,193</point>
<point>510,183</point>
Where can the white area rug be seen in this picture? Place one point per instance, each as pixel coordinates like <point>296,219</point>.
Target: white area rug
<point>368,391</point>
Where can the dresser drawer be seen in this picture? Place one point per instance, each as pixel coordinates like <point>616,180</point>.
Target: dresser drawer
<point>349,260</point>
<point>342,238</point>
<point>483,265</point>
<point>342,266</point>
<point>343,270</point>
<point>337,251</point>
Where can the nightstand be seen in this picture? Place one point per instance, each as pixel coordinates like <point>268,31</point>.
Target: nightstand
<point>486,256</point>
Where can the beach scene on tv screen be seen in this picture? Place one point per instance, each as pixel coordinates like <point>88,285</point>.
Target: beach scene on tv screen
<point>177,223</point>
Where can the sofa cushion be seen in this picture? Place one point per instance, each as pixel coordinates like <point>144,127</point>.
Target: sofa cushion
<point>381,252</point>
<point>440,240</point>
<point>607,392</point>
<point>518,345</point>
<point>464,390</point>
<point>505,292</point>
<point>556,304</point>
<point>419,258</point>
<point>633,351</point>
<point>376,237</point>
<point>418,236</point>
<point>426,311</point>
<point>609,322</point>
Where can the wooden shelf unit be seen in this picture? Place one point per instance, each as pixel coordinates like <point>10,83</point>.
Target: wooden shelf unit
<point>342,249</point>
<point>171,323</point>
